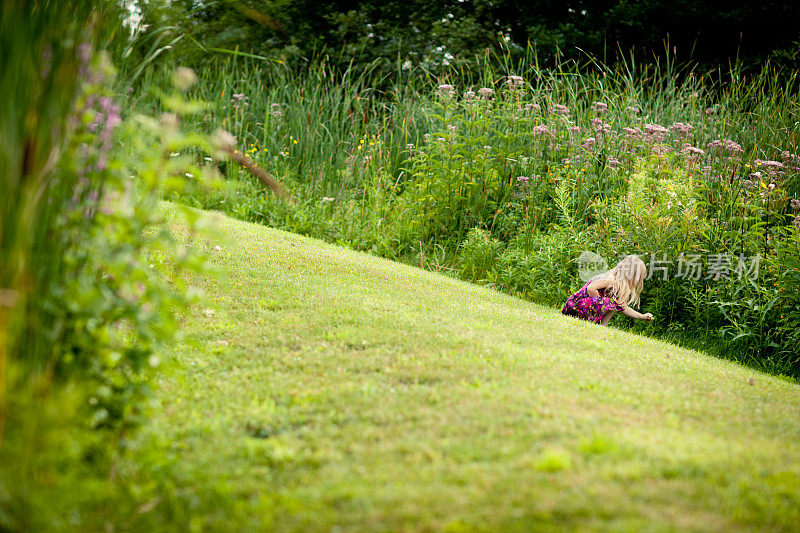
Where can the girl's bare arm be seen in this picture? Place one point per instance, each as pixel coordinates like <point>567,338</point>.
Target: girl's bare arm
<point>594,287</point>
<point>627,311</point>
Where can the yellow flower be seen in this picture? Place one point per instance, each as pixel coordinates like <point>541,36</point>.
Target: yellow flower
<point>295,141</point>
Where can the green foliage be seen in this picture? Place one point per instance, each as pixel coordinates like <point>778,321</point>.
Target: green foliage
<point>414,36</point>
<point>479,255</point>
<point>534,168</point>
<point>92,278</point>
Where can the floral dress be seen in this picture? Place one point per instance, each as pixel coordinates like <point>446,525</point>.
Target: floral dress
<point>588,307</point>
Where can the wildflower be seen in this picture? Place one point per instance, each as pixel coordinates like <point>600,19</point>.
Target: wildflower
<point>532,108</point>
<point>655,132</point>
<point>540,130</point>
<point>218,248</point>
<point>485,92</point>
<point>749,184</point>
<point>574,131</point>
<point>795,204</point>
<point>791,160</point>
<point>487,148</point>
<point>426,137</point>
<point>691,152</point>
<point>682,129</point>
<point>514,80</point>
<point>613,162</point>
<point>796,221</point>
<point>632,133</point>
<point>602,131</point>
<point>633,109</point>
<point>661,149</point>
<point>239,100</point>
<point>772,165</point>
<point>275,110</point>
<point>522,180</point>
<point>599,107</point>
<point>445,90</point>
<point>731,146</point>
<point>326,199</point>
<point>559,109</point>
<point>410,147</point>
<point>469,96</point>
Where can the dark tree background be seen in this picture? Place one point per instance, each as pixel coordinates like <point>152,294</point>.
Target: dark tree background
<point>436,34</point>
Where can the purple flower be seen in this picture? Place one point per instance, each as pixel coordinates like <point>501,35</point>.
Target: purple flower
<point>445,90</point>
<point>613,162</point>
<point>772,165</point>
<point>485,92</point>
<point>692,152</point>
<point>560,109</point>
<point>522,180</point>
<point>795,204</point>
<point>514,80</point>
<point>731,146</point>
<point>599,107</point>
<point>533,108</point>
<point>632,133</point>
<point>538,131</point>
<point>469,96</point>
<point>661,149</point>
<point>726,145</point>
<point>682,129</point>
<point>655,132</point>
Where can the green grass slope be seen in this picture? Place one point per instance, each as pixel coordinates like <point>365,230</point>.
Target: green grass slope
<point>320,388</point>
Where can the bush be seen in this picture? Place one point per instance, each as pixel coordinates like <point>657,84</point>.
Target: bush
<point>91,283</point>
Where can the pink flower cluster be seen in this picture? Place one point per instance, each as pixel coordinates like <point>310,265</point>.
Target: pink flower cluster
<point>725,145</point>
<point>655,133</point>
<point>446,90</point>
<point>681,130</point>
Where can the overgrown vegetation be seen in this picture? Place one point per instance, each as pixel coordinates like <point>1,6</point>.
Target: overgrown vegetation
<point>546,163</point>
<point>92,281</point>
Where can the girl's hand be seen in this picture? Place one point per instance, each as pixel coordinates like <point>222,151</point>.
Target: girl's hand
<point>647,316</point>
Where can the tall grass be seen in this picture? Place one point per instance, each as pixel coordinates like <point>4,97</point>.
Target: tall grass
<point>353,148</point>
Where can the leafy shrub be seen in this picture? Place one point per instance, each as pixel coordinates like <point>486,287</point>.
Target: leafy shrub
<point>91,282</point>
<point>479,255</point>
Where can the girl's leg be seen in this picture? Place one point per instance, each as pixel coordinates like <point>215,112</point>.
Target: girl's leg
<point>606,317</point>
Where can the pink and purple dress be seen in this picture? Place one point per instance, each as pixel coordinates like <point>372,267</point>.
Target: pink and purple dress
<point>588,307</point>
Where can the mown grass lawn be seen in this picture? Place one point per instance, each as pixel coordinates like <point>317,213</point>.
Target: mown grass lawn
<point>318,387</point>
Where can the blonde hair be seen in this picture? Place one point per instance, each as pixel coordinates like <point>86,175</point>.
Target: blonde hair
<point>627,280</point>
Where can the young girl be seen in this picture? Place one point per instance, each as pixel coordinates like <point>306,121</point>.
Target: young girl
<point>605,294</point>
